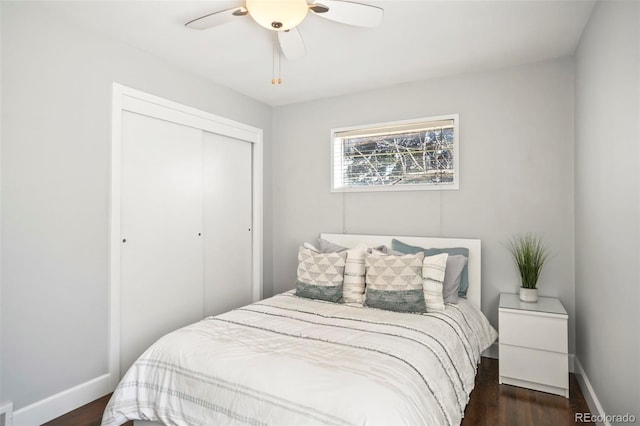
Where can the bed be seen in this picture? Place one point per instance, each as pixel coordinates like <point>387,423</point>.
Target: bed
<point>289,360</point>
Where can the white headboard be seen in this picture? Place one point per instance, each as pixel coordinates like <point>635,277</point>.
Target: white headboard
<point>474,293</point>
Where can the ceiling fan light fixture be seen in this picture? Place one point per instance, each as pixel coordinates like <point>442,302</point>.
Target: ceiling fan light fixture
<point>278,15</point>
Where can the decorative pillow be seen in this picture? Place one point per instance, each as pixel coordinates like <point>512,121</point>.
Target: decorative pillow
<point>451,284</point>
<point>394,283</point>
<point>433,271</point>
<point>354,275</point>
<point>311,247</point>
<point>320,275</point>
<point>464,278</point>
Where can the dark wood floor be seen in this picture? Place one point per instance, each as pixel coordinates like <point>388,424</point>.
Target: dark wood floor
<point>87,415</point>
<point>494,404</point>
<point>490,404</point>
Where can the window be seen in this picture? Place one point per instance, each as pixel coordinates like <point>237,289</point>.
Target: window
<point>403,155</point>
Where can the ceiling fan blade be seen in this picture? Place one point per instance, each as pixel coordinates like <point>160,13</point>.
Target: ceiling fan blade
<point>216,18</point>
<point>291,44</point>
<point>346,12</point>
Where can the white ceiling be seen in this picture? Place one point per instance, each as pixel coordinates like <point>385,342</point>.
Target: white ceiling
<point>417,40</point>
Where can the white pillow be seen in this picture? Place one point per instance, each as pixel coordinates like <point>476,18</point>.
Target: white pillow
<point>354,275</point>
<point>433,269</point>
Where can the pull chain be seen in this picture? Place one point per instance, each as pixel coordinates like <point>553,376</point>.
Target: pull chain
<point>279,66</point>
<point>276,54</point>
<point>273,56</point>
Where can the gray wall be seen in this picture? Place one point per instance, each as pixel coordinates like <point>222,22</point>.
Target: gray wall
<point>56,107</point>
<point>516,148</point>
<point>607,203</point>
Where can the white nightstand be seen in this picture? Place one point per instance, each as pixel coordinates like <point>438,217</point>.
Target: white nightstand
<point>533,344</point>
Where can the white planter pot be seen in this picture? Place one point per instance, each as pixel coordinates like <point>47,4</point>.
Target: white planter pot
<point>529,294</point>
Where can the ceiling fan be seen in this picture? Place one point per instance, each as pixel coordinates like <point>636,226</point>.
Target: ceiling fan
<point>283,16</point>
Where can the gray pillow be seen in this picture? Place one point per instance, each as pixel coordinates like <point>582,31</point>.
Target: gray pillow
<point>328,247</point>
<point>452,275</point>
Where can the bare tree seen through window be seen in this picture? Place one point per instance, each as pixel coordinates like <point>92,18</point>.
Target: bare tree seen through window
<point>423,156</point>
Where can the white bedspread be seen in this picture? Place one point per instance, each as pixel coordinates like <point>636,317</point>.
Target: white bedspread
<point>293,361</point>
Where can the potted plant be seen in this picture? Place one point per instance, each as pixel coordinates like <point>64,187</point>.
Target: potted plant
<point>529,252</point>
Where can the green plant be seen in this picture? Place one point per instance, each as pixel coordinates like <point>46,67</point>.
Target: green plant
<point>529,252</point>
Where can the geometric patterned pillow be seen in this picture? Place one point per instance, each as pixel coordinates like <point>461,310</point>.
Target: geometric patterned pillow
<point>320,275</point>
<point>395,283</point>
<point>433,270</point>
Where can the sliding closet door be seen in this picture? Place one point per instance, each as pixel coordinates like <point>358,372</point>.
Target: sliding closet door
<point>228,223</point>
<point>161,249</point>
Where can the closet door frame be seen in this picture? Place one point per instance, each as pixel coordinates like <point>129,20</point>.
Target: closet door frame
<point>128,99</point>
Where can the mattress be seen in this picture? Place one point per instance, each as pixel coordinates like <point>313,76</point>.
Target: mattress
<point>287,360</point>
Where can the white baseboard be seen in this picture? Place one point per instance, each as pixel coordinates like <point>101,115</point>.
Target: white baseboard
<point>63,402</point>
<point>6,414</point>
<point>589,393</point>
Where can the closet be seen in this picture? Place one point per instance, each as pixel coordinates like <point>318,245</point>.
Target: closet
<point>186,235</point>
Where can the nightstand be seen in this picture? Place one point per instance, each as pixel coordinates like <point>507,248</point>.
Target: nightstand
<point>533,344</point>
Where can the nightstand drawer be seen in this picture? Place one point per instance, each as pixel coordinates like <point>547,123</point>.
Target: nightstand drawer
<point>533,331</point>
<point>531,365</point>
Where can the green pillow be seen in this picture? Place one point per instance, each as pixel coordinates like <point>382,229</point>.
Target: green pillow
<point>464,277</point>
